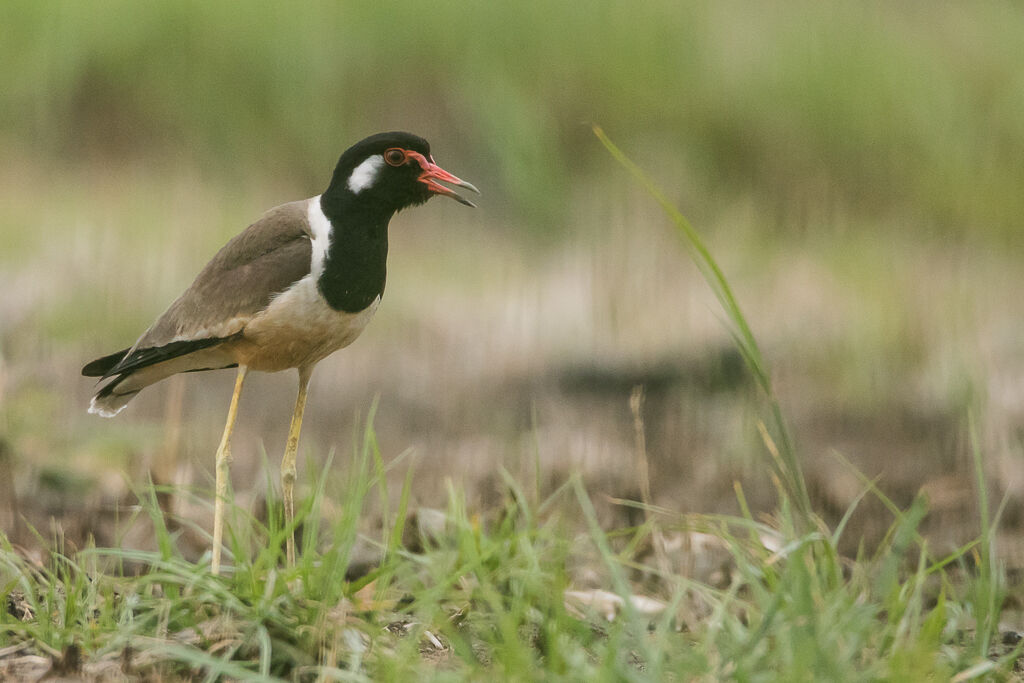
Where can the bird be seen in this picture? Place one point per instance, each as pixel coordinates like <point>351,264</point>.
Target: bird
<point>295,286</point>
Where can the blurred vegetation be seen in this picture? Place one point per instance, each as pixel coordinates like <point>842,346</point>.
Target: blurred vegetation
<point>856,169</point>
<point>879,108</point>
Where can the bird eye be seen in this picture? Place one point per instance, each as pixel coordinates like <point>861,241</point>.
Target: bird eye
<point>395,156</point>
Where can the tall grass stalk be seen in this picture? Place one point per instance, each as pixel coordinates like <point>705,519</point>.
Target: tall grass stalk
<point>787,466</point>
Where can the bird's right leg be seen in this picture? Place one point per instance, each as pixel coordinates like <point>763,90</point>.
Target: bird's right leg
<point>288,462</point>
<point>222,471</point>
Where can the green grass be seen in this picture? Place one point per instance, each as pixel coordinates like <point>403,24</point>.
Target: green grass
<point>487,598</point>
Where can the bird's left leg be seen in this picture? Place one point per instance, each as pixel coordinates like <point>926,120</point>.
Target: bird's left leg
<point>222,470</point>
<point>288,461</point>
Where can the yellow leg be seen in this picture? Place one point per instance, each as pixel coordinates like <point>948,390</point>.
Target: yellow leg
<point>288,461</point>
<point>223,463</point>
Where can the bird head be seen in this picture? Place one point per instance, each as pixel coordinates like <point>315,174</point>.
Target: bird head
<point>392,171</point>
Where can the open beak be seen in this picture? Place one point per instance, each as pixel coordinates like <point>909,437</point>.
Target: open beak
<point>432,173</point>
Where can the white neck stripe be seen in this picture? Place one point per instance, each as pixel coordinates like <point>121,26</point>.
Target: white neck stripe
<point>320,226</point>
<point>365,174</point>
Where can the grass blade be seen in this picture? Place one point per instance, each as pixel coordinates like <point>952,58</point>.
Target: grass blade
<point>788,468</point>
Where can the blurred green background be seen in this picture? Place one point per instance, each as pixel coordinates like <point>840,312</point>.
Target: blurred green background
<point>857,168</point>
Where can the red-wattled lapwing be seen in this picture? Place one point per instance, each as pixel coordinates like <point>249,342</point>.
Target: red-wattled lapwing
<point>292,288</point>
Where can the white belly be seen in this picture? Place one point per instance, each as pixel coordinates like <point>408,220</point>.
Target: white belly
<point>298,329</point>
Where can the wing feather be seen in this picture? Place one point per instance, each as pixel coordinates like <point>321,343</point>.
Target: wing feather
<point>240,281</point>
<point>257,264</point>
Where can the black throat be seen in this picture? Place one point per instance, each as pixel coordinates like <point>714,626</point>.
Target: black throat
<point>355,266</point>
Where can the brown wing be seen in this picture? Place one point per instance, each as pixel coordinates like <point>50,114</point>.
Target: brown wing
<point>258,263</point>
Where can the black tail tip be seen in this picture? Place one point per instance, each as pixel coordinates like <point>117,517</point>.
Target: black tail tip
<point>100,366</point>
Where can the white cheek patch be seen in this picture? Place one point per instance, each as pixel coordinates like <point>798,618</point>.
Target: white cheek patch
<point>365,174</point>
